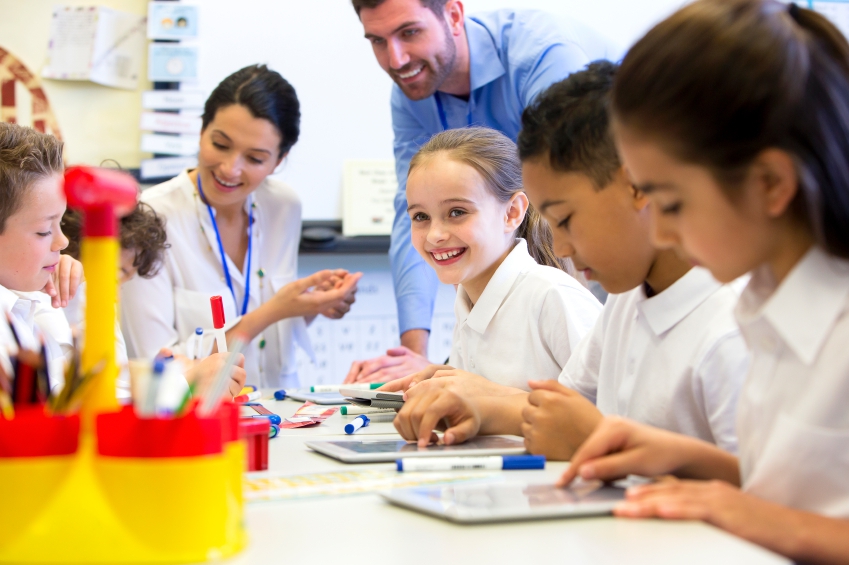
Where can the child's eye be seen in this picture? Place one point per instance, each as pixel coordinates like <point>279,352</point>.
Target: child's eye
<point>456,213</point>
<point>564,223</point>
<point>255,160</point>
<point>419,217</point>
<point>44,234</point>
<point>671,209</point>
<point>218,146</point>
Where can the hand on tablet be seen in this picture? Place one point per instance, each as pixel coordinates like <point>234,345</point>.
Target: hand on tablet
<point>557,420</point>
<point>430,408</point>
<point>398,362</point>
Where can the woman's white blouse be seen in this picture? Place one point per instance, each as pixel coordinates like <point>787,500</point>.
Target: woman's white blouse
<point>165,310</point>
<point>525,324</point>
<point>793,416</point>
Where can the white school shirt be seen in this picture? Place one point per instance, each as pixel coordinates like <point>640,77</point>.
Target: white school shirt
<point>36,317</point>
<point>164,311</point>
<point>793,417</point>
<point>525,323</point>
<point>674,361</point>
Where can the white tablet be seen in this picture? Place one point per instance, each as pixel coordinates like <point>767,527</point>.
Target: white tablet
<point>373,398</point>
<point>508,501</point>
<point>379,450</point>
<point>316,397</point>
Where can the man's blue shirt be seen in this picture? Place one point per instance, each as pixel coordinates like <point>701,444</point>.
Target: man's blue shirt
<point>514,55</point>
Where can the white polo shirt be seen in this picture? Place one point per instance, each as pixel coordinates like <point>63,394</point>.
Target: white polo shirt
<point>793,418</point>
<point>164,311</point>
<point>36,318</point>
<point>675,361</point>
<point>525,323</point>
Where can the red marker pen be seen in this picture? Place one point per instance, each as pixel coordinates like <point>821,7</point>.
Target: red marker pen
<point>218,323</point>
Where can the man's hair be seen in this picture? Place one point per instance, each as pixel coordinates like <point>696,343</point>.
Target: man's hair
<point>568,123</point>
<point>435,6</point>
<point>142,231</point>
<point>26,156</point>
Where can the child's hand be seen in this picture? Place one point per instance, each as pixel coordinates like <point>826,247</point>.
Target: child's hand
<point>66,279</point>
<point>399,362</point>
<point>557,420</point>
<point>619,447</point>
<point>202,374</point>
<point>427,408</point>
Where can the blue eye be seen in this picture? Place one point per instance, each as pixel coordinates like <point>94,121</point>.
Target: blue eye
<point>456,213</point>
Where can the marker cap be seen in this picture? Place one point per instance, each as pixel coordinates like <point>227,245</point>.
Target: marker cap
<point>217,305</point>
<point>523,462</point>
<point>281,395</point>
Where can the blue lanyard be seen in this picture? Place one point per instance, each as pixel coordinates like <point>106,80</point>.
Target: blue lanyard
<point>221,250</point>
<point>441,110</point>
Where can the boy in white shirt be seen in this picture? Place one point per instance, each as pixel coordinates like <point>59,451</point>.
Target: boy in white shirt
<point>666,349</point>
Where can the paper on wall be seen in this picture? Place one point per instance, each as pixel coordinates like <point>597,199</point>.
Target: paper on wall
<point>95,43</point>
<point>368,194</point>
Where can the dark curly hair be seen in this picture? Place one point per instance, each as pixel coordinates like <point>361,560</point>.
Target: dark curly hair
<point>142,231</point>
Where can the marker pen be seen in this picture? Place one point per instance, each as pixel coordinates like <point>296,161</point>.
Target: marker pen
<point>355,386</point>
<point>250,397</point>
<point>273,431</point>
<point>217,305</point>
<point>280,395</point>
<point>194,344</point>
<point>495,462</point>
<point>360,421</point>
<point>353,410</point>
<point>273,418</point>
<point>248,389</point>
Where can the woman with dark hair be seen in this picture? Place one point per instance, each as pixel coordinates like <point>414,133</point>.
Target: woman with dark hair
<point>234,232</point>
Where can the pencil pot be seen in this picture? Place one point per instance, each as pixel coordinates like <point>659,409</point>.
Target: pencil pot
<point>234,453</point>
<point>36,457</point>
<point>168,483</point>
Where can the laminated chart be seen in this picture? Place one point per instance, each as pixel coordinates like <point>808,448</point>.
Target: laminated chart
<point>264,486</point>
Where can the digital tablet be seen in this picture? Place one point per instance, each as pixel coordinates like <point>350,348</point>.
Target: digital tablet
<point>508,501</point>
<point>373,398</point>
<point>379,450</point>
<point>316,397</point>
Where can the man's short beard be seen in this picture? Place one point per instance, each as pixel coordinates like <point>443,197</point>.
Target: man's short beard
<point>446,61</point>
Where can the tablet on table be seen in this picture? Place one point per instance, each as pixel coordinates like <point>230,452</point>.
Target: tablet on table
<point>379,450</point>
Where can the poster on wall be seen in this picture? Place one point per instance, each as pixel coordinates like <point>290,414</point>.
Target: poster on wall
<point>168,62</point>
<point>172,20</point>
<point>98,44</point>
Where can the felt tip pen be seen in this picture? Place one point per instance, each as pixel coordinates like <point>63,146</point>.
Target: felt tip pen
<point>280,394</point>
<point>495,462</point>
<point>355,386</point>
<point>194,344</point>
<point>217,305</point>
<point>273,431</point>
<point>356,410</point>
<point>247,389</point>
<point>273,418</point>
<point>250,397</point>
<point>360,421</point>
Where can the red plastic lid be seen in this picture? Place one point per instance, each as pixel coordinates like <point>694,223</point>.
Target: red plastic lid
<point>33,434</point>
<point>123,434</point>
<point>254,426</point>
<point>217,305</point>
<point>103,194</point>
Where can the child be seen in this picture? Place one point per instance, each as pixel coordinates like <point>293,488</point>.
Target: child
<point>732,116</point>
<point>518,313</point>
<point>666,349</point>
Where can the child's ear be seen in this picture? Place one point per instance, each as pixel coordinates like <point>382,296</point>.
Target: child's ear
<point>516,209</point>
<point>777,182</point>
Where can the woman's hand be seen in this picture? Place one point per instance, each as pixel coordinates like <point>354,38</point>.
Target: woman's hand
<point>64,282</point>
<point>311,296</point>
<point>399,364</point>
<point>336,281</point>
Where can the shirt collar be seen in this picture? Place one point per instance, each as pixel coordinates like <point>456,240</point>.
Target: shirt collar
<point>478,316</point>
<point>484,62</point>
<point>804,307</point>
<point>664,310</point>
<point>7,300</point>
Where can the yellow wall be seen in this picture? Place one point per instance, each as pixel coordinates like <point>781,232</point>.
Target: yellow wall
<point>97,122</point>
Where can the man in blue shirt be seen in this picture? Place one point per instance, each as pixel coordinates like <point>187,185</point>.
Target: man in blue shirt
<point>454,71</point>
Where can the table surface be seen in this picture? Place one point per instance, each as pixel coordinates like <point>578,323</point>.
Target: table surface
<point>334,528</point>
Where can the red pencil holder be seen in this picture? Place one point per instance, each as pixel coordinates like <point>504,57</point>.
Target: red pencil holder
<point>255,431</point>
<point>31,433</point>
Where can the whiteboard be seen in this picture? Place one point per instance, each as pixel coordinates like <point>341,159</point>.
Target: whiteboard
<point>318,46</point>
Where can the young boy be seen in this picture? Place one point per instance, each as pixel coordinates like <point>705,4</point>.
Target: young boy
<point>35,279</point>
<point>666,350</point>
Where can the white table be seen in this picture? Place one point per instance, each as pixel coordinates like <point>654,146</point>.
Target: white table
<point>365,529</point>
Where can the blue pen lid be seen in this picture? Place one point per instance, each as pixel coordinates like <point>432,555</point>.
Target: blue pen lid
<point>399,464</point>
<point>198,331</point>
<point>516,462</point>
<point>279,395</point>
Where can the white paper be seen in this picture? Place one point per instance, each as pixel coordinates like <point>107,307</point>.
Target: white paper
<point>837,11</point>
<point>165,167</point>
<point>368,193</point>
<point>170,144</point>
<point>172,100</point>
<point>98,44</point>
<point>169,123</point>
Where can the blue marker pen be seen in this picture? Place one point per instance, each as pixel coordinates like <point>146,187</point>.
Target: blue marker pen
<point>360,421</point>
<point>273,418</point>
<point>280,395</point>
<point>273,431</point>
